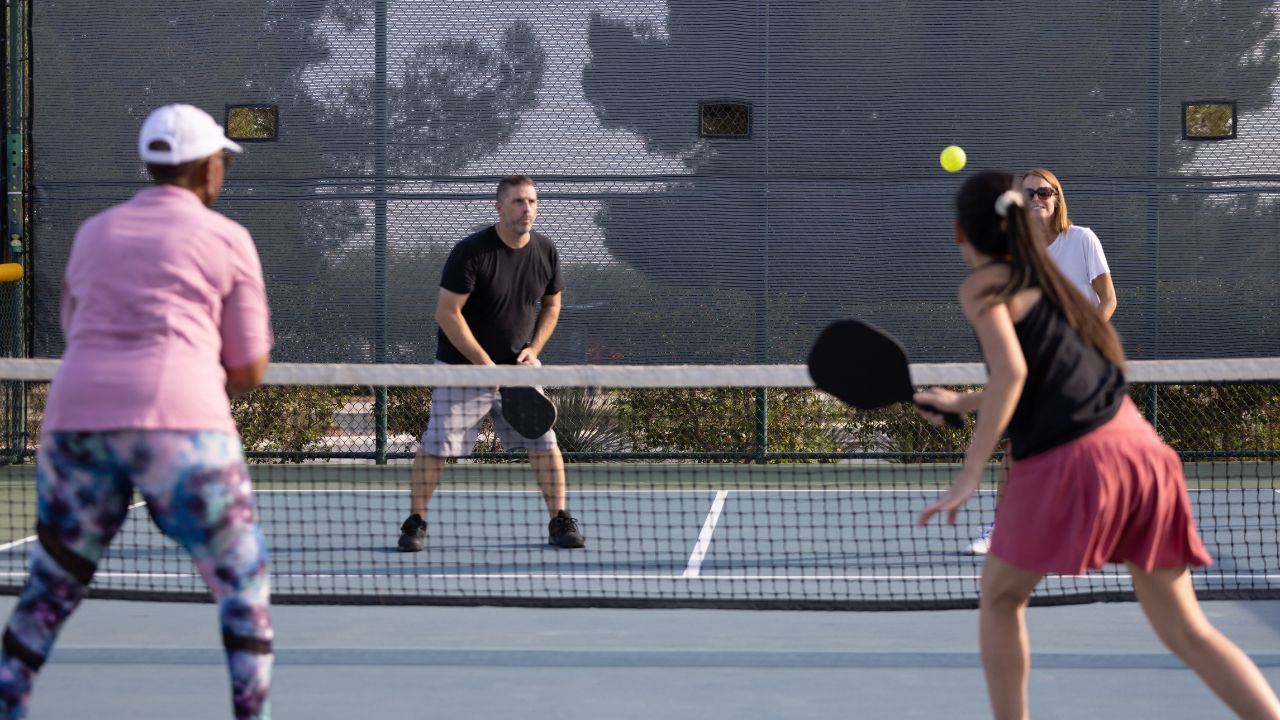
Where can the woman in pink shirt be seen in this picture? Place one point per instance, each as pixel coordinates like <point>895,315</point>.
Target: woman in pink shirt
<point>165,314</point>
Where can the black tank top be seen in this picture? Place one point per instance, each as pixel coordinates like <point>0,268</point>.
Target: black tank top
<point>1071,388</point>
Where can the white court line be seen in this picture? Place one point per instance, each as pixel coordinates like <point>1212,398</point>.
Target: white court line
<point>529,576</point>
<point>704,537</point>
<point>25,540</point>
<point>663,491</point>
<point>650,576</point>
<point>619,491</point>
<point>16,543</point>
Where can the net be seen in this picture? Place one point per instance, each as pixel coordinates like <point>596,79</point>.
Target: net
<point>695,486</point>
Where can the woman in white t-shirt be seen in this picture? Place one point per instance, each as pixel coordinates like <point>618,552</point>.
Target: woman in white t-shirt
<point>1078,254</point>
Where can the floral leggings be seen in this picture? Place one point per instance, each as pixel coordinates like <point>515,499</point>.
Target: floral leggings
<point>197,490</point>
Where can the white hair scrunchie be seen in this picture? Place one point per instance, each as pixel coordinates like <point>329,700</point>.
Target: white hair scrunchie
<point>1007,198</point>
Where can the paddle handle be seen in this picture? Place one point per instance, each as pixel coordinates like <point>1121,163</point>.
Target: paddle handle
<point>952,419</point>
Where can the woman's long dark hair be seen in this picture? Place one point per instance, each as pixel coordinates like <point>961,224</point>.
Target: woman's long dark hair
<point>1019,240</point>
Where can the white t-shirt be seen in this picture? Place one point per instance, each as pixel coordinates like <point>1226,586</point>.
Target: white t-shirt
<point>1078,254</point>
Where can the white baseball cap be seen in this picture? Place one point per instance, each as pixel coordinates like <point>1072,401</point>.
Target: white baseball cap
<point>181,133</point>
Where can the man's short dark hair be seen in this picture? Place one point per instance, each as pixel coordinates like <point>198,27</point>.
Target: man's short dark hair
<point>511,181</point>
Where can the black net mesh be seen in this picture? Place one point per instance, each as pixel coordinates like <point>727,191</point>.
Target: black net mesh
<point>678,246</point>
<point>688,495</point>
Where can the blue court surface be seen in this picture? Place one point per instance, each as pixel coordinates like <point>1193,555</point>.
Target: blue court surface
<point>678,535</point>
<point>662,535</point>
<point>153,661</point>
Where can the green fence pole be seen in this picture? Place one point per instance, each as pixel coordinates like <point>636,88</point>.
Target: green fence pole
<point>762,425</point>
<point>18,400</point>
<point>380,425</point>
<point>380,221</point>
<point>17,72</point>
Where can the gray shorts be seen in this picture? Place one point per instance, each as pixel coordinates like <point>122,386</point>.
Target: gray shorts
<point>456,414</point>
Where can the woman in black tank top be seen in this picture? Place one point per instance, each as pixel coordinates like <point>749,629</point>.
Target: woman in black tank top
<point>1079,446</point>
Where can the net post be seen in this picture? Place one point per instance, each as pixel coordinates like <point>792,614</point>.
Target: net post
<point>762,425</point>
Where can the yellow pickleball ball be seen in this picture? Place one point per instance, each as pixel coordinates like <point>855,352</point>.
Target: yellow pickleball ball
<point>952,158</point>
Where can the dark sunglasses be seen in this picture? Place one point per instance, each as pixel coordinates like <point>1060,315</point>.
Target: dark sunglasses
<point>1043,193</point>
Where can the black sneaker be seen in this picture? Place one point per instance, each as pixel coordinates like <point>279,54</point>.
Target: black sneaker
<point>563,531</point>
<point>413,534</point>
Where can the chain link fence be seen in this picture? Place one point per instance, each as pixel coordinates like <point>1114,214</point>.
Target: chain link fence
<point>296,424</point>
<point>722,180</point>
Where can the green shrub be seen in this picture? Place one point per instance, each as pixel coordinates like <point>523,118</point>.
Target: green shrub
<point>688,419</point>
<point>799,420</point>
<point>37,396</point>
<point>724,420</point>
<point>20,433</point>
<point>899,429</point>
<point>1200,417</point>
<point>288,418</point>
<point>586,421</point>
<point>1203,417</point>
<point>408,409</point>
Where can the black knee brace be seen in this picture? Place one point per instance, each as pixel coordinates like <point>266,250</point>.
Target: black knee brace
<point>78,567</point>
<point>231,641</point>
<point>14,648</point>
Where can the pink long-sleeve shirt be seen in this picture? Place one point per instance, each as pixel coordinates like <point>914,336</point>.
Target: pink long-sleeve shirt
<point>161,294</point>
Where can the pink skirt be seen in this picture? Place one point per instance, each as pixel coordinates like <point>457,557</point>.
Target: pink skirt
<point>1116,494</point>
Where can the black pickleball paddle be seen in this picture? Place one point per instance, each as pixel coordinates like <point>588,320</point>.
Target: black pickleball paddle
<point>528,410</point>
<point>865,367</point>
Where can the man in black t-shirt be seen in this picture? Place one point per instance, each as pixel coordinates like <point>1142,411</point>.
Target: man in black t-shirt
<point>488,314</point>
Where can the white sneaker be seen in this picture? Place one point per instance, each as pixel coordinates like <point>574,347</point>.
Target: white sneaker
<point>982,544</point>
